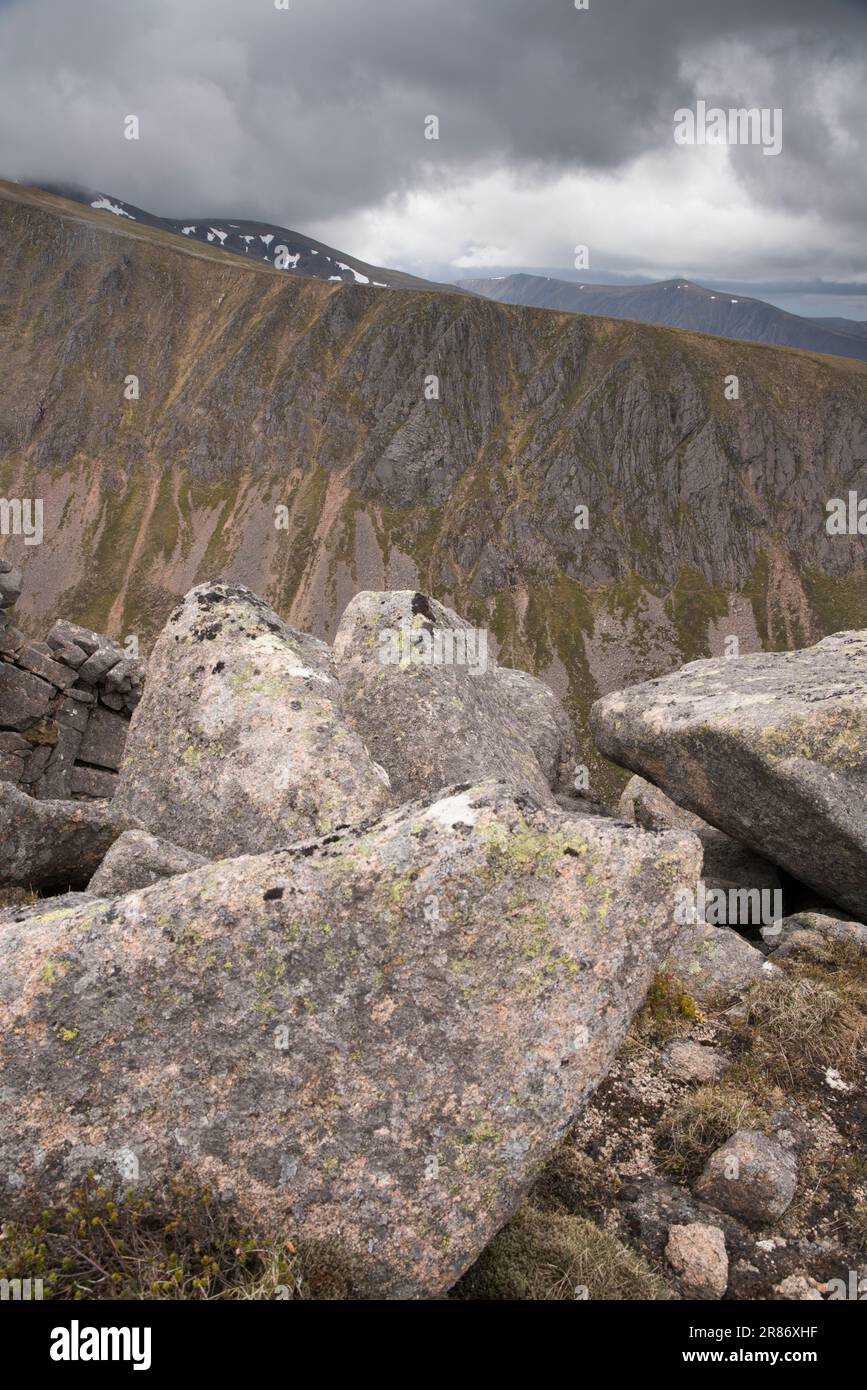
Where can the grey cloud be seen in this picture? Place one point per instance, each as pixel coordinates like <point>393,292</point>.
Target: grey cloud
<point>314,113</point>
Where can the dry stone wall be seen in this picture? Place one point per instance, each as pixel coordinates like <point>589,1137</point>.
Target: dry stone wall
<point>65,705</point>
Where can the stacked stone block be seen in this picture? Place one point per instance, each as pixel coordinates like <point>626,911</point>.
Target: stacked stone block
<point>65,705</point>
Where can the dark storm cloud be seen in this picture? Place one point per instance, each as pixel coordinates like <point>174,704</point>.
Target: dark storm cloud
<point>311,114</point>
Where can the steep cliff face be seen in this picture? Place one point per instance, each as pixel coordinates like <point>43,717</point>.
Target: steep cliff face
<point>264,400</point>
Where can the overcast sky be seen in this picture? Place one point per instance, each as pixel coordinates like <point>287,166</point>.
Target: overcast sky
<point>556,129</point>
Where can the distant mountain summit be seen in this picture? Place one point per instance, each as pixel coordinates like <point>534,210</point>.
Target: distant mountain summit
<point>680,303</point>
<point>258,241</point>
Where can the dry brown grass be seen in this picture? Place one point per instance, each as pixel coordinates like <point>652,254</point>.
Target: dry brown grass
<point>544,1256</point>
<point>701,1122</point>
<point>809,1017</point>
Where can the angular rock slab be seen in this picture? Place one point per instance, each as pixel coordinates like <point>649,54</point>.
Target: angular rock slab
<point>432,705</point>
<point>238,744</point>
<point>376,1037</point>
<point>771,748</point>
<point>727,864</point>
<point>136,860</point>
<point>51,846</point>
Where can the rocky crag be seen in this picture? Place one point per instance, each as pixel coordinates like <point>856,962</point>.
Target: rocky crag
<point>467,1034</point>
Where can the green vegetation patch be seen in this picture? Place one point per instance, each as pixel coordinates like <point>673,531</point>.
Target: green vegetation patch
<point>181,1244</point>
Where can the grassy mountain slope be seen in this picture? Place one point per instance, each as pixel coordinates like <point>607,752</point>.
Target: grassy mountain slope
<point>707,516</point>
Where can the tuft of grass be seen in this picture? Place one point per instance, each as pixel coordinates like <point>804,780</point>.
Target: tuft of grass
<point>809,1017</point>
<point>701,1122</point>
<point>543,1256</point>
<point>572,1182</point>
<point>17,897</point>
<point>182,1243</point>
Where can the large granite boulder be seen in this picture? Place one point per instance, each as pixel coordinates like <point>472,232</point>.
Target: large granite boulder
<point>239,743</point>
<point>770,748</point>
<point>375,1038</point>
<point>424,692</point>
<point>51,846</point>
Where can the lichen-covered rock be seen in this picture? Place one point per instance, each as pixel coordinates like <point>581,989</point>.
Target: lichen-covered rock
<point>138,859</point>
<point>26,908</point>
<point>433,707</point>
<point>714,962</point>
<point>727,864</point>
<point>52,846</point>
<point>534,707</point>
<point>751,1177</point>
<point>104,740</point>
<point>375,1038</point>
<point>239,743</point>
<point>100,662</point>
<point>63,634</point>
<point>812,933</point>
<point>770,748</point>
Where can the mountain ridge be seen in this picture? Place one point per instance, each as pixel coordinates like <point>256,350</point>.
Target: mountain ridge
<point>255,241</point>
<point>677,303</point>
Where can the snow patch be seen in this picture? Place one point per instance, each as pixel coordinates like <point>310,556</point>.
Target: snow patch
<point>108,206</point>
<point>359,278</point>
